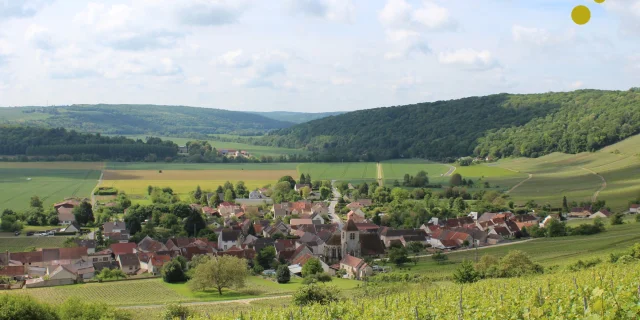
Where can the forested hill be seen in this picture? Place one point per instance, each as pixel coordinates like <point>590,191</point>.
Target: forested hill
<point>142,119</point>
<point>297,117</point>
<point>497,125</point>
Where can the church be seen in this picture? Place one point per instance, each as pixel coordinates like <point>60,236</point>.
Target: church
<point>350,241</point>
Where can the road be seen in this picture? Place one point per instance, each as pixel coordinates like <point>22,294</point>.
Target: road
<point>594,198</point>
<point>519,184</point>
<point>379,174</point>
<point>245,301</point>
<point>480,248</point>
<point>451,170</point>
<point>332,205</point>
<point>93,196</point>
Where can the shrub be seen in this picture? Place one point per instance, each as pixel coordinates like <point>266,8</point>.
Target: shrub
<point>24,307</point>
<point>283,275</point>
<point>172,272</point>
<point>466,273</point>
<point>76,309</point>
<point>315,293</point>
<point>616,219</point>
<point>175,310</point>
<point>584,264</point>
<point>625,259</point>
<point>312,267</point>
<point>638,218</point>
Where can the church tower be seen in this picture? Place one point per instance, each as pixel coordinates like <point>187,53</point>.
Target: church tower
<point>350,239</point>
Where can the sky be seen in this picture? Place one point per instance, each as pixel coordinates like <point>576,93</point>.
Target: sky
<point>309,55</point>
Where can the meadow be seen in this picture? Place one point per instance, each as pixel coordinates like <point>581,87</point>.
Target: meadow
<point>344,171</point>
<point>199,166</point>
<point>20,183</point>
<point>19,244</point>
<point>396,169</point>
<point>578,176</point>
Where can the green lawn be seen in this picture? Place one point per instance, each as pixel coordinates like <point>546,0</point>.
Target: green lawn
<point>546,251</point>
<point>21,243</point>
<point>18,185</point>
<point>347,171</point>
<point>396,169</point>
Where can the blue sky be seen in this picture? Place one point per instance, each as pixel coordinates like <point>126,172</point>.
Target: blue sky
<point>309,55</point>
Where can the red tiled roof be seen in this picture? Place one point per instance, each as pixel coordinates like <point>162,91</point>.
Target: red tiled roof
<point>159,260</point>
<point>72,253</point>
<point>122,248</point>
<point>352,261</point>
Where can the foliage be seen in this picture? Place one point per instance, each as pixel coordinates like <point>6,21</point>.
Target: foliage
<point>77,309</point>
<point>318,277</point>
<point>265,257</point>
<point>108,274</point>
<point>283,274</point>
<point>172,272</point>
<point>514,264</point>
<point>175,310</point>
<point>315,293</point>
<point>24,307</point>
<point>221,272</point>
<point>83,213</point>
<point>466,273</point>
<point>616,219</point>
<point>439,257</point>
<point>418,181</point>
<point>313,266</point>
<point>398,256</point>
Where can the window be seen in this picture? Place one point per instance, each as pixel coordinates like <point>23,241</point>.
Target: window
<point>225,247</point>
<point>352,236</point>
<point>105,259</point>
<point>95,259</point>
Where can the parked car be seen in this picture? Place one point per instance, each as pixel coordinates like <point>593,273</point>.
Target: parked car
<point>41,234</point>
<point>269,272</point>
<point>30,233</point>
<point>17,233</point>
<point>51,233</point>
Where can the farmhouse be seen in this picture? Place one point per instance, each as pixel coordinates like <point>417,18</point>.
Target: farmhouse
<point>634,208</point>
<point>129,263</point>
<point>580,212</point>
<point>602,213</point>
<point>356,268</point>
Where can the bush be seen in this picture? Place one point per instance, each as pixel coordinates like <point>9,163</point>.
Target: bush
<point>514,264</point>
<point>312,267</point>
<point>24,307</point>
<point>283,275</point>
<point>625,259</point>
<point>315,293</point>
<point>580,265</point>
<point>466,273</point>
<point>172,272</point>
<point>175,310</point>
<point>637,217</point>
<point>616,219</point>
<point>76,309</point>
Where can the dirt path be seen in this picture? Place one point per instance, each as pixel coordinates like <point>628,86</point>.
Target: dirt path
<point>594,198</point>
<point>199,303</point>
<point>380,176</point>
<point>93,196</point>
<point>452,169</point>
<point>520,183</point>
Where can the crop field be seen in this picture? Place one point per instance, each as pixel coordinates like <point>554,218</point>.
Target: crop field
<point>549,252</point>
<point>199,166</point>
<point>396,169</point>
<point>69,165</point>
<point>20,244</point>
<point>254,150</point>
<point>18,185</point>
<point>558,175</point>
<point>348,171</point>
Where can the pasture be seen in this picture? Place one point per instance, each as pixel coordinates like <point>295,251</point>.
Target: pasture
<point>199,166</point>
<point>396,169</point>
<point>21,243</point>
<point>344,171</point>
<point>20,183</point>
<point>557,175</point>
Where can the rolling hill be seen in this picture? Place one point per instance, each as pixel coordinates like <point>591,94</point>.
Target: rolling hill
<point>297,117</point>
<point>142,119</point>
<point>501,125</point>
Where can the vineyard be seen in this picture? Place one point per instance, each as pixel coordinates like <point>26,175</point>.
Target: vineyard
<point>606,292</point>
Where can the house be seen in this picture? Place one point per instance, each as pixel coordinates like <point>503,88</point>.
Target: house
<point>65,216</point>
<point>315,216</point>
<point>525,220</point>
<point>116,231</point>
<point>459,222</point>
<point>356,268</point>
<point>256,195</point>
<point>299,186</point>
<point>299,262</point>
<point>101,256</point>
<point>59,256</point>
<point>227,208</point>
<point>634,208</point>
<point>156,262</point>
<point>602,213</point>
<point>83,269</point>
<point>71,227</point>
<point>281,210</point>
<point>14,272</point>
<point>61,275</point>
<point>89,244</point>
<point>295,223</point>
<point>367,227</point>
<point>429,228</point>
<point>548,218</point>
<point>443,244</point>
<point>129,263</point>
<point>353,216</point>
<point>580,212</point>
<point>229,238</point>
<point>183,149</point>
<point>122,248</point>
<point>147,244</point>
<point>388,234</point>
<point>210,212</point>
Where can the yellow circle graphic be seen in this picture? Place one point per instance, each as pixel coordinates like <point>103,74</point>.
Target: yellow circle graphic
<point>581,15</point>
<point>599,1</point>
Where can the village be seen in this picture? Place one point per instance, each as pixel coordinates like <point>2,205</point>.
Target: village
<point>350,246</point>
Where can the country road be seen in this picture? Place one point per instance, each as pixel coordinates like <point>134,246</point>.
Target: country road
<point>594,198</point>
<point>380,176</point>
<point>520,183</point>
<point>332,205</point>
<point>93,196</point>
<point>199,303</point>
<point>452,169</point>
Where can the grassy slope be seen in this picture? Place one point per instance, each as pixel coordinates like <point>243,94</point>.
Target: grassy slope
<point>396,169</point>
<point>560,174</point>
<point>19,244</point>
<point>51,185</point>
<point>348,171</point>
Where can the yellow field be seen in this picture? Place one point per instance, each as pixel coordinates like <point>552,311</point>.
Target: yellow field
<point>135,182</point>
<point>53,165</point>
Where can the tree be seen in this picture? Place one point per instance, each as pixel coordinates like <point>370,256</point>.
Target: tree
<point>228,196</point>
<point>455,180</point>
<point>99,238</point>
<point>35,202</point>
<point>325,193</point>
<point>194,223</point>
<point>16,306</point>
<point>149,190</point>
<point>221,272</point>
<point>265,257</point>
<point>617,219</point>
<point>315,293</point>
<point>173,272</point>
<point>308,179</point>
<point>83,213</point>
<point>252,230</point>
<point>313,266</point>
<point>556,228</point>
<point>415,247</point>
<point>288,179</point>
<point>241,190</point>
<point>305,191</point>
<point>466,273</point>
<point>303,179</point>
<point>176,311</point>
<point>283,275</point>
<point>198,194</point>
<point>565,206</point>
<point>439,257</point>
<point>517,263</point>
<point>398,256</point>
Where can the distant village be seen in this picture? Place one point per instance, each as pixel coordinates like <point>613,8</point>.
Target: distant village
<point>298,231</point>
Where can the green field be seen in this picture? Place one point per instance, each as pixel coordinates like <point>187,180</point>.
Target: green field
<point>20,244</point>
<point>556,175</point>
<point>156,291</point>
<point>18,185</point>
<point>199,166</point>
<point>396,169</point>
<point>549,252</point>
<point>254,150</point>
<point>347,171</point>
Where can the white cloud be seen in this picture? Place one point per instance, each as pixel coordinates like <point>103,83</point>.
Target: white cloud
<point>135,41</point>
<point>104,18</point>
<point>235,59</point>
<point>406,83</point>
<point>402,20</point>
<point>21,8</point>
<point>40,37</point>
<point>419,47</point>
<point>197,81</point>
<point>628,11</point>
<point>334,10</point>
<point>210,12</point>
<point>576,85</point>
<point>530,35</point>
<point>469,59</point>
